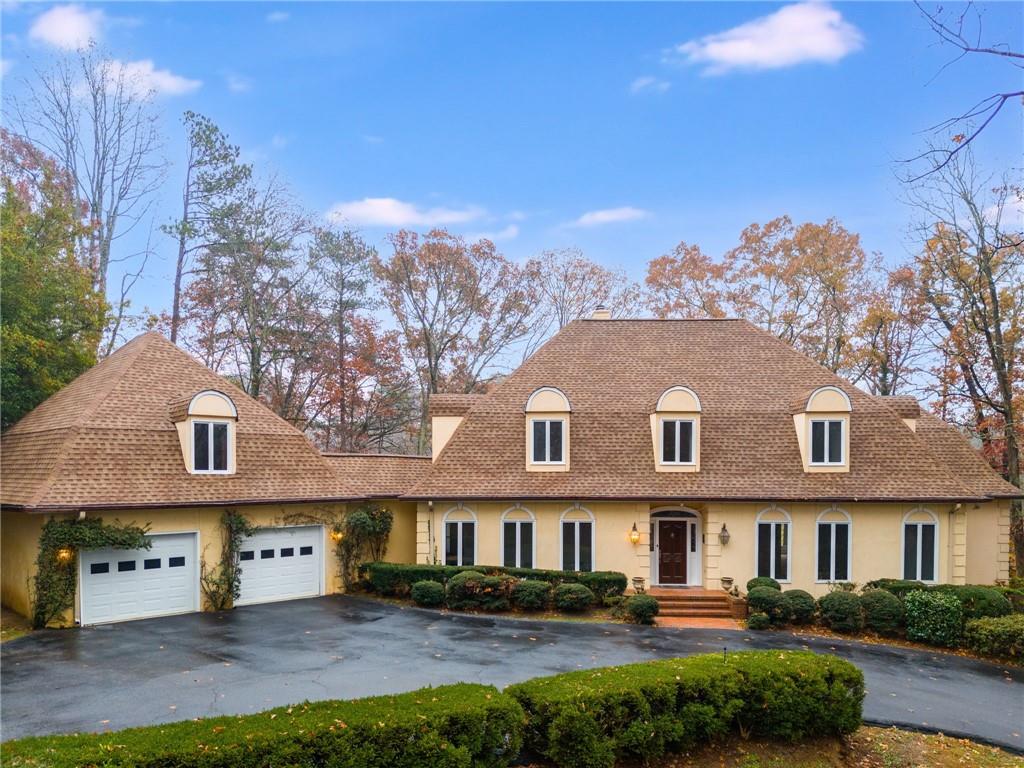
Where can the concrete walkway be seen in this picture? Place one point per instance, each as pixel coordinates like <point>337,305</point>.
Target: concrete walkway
<point>253,658</point>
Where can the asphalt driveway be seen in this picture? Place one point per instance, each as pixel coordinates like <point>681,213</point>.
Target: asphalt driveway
<point>253,658</point>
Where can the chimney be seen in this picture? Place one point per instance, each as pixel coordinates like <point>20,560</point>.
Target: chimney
<point>601,313</point>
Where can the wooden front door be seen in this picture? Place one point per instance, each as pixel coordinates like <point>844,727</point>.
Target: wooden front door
<point>672,551</point>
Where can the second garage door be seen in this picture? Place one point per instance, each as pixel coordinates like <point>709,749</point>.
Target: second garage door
<point>282,564</point>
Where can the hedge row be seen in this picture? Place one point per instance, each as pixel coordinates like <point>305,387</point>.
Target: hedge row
<point>591,719</point>
<point>578,719</point>
<point>1002,636</point>
<point>396,579</point>
<point>979,601</point>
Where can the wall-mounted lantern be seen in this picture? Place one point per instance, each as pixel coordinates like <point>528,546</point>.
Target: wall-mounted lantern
<point>724,535</point>
<point>64,554</point>
<point>337,535</point>
<point>634,535</point>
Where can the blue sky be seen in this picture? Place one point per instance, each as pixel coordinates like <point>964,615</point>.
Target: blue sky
<point>618,128</point>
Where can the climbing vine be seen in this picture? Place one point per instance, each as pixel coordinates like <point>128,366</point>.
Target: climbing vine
<point>363,537</point>
<point>223,584</point>
<point>56,563</point>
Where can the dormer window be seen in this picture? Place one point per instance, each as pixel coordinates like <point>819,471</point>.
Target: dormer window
<point>210,446</point>
<point>677,437</point>
<point>827,442</point>
<point>547,441</point>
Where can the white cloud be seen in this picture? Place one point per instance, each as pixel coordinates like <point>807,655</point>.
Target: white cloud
<point>649,83</point>
<point>389,212</point>
<point>610,216</point>
<point>237,83</point>
<point>5,66</point>
<point>279,141</point>
<point>511,232</point>
<point>276,17</point>
<point>67,26</point>
<point>143,77</point>
<point>809,31</point>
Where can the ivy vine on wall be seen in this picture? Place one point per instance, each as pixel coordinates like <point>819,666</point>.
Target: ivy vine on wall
<point>223,584</point>
<point>57,561</point>
<point>363,537</point>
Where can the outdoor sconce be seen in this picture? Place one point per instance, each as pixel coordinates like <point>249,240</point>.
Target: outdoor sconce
<point>337,535</point>
<point>634,535</point>
<point>724,535</point>
<point>64,555</point>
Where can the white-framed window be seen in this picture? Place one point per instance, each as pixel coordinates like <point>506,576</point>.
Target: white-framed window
<point>677,441</point>
<point>518,538</point>
<point>577,536</point>
<point>920,546</point>
<point>772,544</point>
<point>210,446</point>
<point>834,544</point>
<point>547,445</point>
<point>826,442</point>
<point>460,537</point>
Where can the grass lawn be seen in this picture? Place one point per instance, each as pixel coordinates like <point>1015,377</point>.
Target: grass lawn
<point>869,747</point>
<point>12,625</point>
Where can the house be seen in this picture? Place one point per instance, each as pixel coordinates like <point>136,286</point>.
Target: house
<point>680,452</point>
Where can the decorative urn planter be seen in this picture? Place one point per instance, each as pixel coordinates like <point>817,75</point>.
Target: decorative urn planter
<point>727,583</point>
<point>638,585</point>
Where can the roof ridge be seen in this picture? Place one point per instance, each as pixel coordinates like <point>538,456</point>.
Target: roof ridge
<point>374,455</point>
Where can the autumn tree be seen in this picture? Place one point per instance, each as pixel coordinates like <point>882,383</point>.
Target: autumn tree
<point>213,175</point>
<point>51,316</point>
<point>99,120</point>
<point>971,272</point>
<point>460,307</point>
<point>687,283</point>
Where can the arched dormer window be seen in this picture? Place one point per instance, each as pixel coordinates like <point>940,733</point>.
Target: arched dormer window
<point>822,420</point>
<point>547,431</point>
<point>675,427</point>
<point>206,425</point>
<point>833,534</point>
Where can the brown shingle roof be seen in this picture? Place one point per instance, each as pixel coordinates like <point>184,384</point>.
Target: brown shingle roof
<point>612,370</point>
<point>452,404</point>
<point>379,475</point>
<point>950,446</point>
<point>107,440</point>
<point>906,406</point>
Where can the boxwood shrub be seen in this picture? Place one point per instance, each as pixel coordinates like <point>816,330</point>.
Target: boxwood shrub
<point>531,595</point>
<point>1002,636</point>
<point>428,594</point>
<point>978,601</point>
<point>899,587</point>
<point>1015,596</point>
<point>763,581</point>
<point>639,712</point>
<point>800,606</point>
<point>768,601</point>
<point>454,726</point>
<point>936,618</point>
<point>841,611</point>
<point>758,621</point>
<point>641,609</point>
<point>471,590</point>
<point>573,598</point>
<point>883,612</point>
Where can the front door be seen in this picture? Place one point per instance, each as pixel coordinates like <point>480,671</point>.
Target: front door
<point>672,551</point>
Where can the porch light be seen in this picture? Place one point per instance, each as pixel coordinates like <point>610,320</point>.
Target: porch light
<point>724,535</point>
<point>337,535</point>
<point>64,554</point>
<point>634,535</point>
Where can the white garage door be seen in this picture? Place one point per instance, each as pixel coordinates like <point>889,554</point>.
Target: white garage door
<point>281,564</point>
<point>120,584</point>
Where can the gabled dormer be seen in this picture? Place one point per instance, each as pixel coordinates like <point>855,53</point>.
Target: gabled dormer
<point>206,424</point>
<point>547,431</point>
<point>675,429</point>
<point>822,423</point>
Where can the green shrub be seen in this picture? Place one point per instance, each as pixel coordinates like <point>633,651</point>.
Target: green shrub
<point>602,583</point>
<point>455,726</point>
<point>769,601</point>
<point>841,611</point>
<point>396,579</point>
<point>758,621</point>
<point>799,606</point>
<point>1002,636</point>
<point>471,590</point>
<point>639,712</point>
<point>883,612</point>
<point>613,601</point>
<point>573,598</point>
<point>978,602</point>
<point>936,618</point>
<point>531,595</point>
<point>428,594</point>
<point>899,587</point>
<point>1015,596</point>
<point>641,609</point>
<point>763,581</point>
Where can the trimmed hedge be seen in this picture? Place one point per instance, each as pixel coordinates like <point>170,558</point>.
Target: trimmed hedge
<point>396,579</point>
<point>841,611</point>
<point>978,602</point>
<point>641,609</point>
<point>936,618</point>
<point>592,718</point>
<point>883,612</point>
<point>758,621</point>
<point>899,587</point>
<point>800,606</point>
<point>470,590</point>
<point>573,598</point>
<point>1015,596</point>
<point>531,595</point>
<point>763,581</point>
<point>769,601</point>
<point>1002,636</point>
<point>454,726</point>
<point>428,594</point>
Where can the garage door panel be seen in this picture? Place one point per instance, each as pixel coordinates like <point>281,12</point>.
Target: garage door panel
<point>120,584</point>
<point>281,564</point>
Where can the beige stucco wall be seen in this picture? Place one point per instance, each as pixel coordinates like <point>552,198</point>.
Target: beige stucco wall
<point>19,540</point>
<point>988,542</point>
<point>441,430</point>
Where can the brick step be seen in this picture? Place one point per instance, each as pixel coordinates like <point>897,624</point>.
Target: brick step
<point>707,613</point>
<point>691,598</point>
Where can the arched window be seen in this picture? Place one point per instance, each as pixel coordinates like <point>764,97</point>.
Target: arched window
<point>518,538</point>
<point>676,424</point>
<point>211,415</point>
<point>772,543</point>
<point>834,536</point>
<point>547,430</point>
<point>459,536</point>
<point>577,534</point>
<point>920,545</point>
